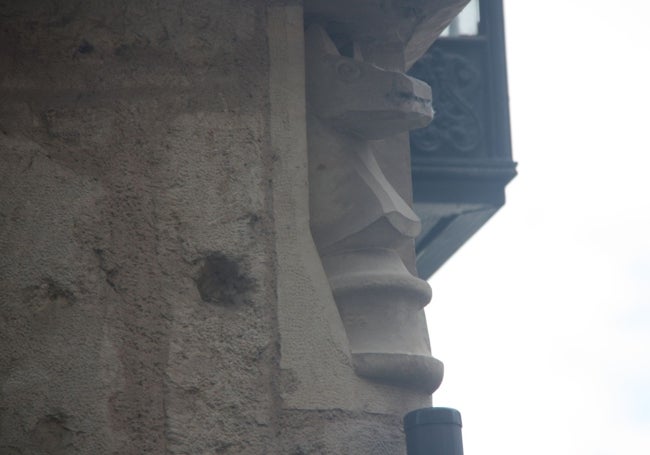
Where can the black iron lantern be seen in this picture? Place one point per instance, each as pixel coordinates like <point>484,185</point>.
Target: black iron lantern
<point>462,161</point>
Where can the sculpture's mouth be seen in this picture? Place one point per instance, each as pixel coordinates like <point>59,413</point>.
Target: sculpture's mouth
<point>408,90</point>
<point>412,98</point>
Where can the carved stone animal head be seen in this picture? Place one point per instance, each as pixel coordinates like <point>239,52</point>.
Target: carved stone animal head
<point>358,97</point>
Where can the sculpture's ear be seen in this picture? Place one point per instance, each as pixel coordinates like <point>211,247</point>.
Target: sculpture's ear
<point>318,40</point>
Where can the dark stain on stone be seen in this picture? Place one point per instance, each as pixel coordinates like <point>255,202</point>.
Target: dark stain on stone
<point>52,434</point>
<point>85,47</point>
<point>222,282</point>
<point>58,294</point>
<point>109,273</point>
<point>47,297</point>
<point>123,50</point>
<point>253,219</point>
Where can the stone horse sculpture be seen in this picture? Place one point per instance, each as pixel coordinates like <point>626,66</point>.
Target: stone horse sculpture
<point>358,220</point>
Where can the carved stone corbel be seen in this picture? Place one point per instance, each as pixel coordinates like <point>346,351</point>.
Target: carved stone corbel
<point>358,220</point>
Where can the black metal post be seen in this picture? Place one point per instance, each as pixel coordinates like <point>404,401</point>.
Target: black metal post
<point>433,431</point>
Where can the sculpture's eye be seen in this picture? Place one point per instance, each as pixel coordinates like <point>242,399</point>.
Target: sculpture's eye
<point>348,70</point>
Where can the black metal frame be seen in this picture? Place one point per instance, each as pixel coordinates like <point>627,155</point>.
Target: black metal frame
<point>462,162</point>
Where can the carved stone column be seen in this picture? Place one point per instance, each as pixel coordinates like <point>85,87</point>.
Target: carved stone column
<point>359,103</point>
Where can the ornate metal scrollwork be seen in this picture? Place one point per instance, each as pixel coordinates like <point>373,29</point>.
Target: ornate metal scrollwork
<point>462,161</point>
<point>456,130</point>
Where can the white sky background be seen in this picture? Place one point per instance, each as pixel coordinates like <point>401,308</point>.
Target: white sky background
<point>543,318</point>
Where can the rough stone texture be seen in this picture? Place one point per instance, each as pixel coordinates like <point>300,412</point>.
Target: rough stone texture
<point>341,432</point>
<point>134,166</point>
<point>160,291</point>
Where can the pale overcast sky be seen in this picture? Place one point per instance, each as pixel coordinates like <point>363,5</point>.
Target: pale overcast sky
<point>543,318</point>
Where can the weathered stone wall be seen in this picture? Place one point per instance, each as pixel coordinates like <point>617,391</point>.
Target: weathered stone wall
<point>160,291</point>
<point>137,292</point>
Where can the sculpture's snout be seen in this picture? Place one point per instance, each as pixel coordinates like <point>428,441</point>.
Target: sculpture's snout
<point>412,97</point>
